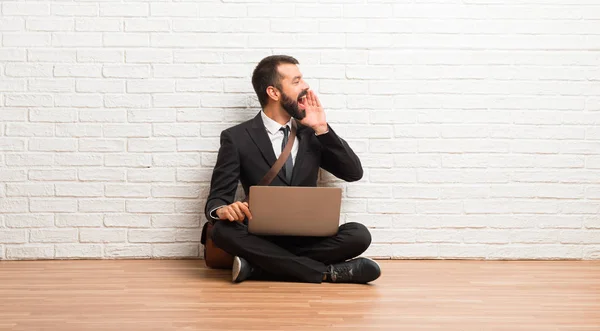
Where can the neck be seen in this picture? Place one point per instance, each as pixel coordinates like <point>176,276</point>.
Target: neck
<point>277,114</point>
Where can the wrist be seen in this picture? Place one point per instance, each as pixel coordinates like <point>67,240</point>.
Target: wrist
<point>320,129</point>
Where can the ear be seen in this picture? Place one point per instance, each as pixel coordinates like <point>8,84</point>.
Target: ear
<point>273,93</point>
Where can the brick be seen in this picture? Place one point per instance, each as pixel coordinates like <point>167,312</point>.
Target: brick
<point>79,190</point>
<point>53,115</point>
<point>147,25</point>
<point>176,221</point>
<point>126,101</point>
<point>101,205</point>
<point>51,85</point>
<point>102,236</point>
<point>95,25</point>
<point>79,220</point>
<point>74,251</point>
<point>176,191</point>
<point>30,252</point>
<point>78,39</point>
<point>127,190</point>
<point>13,205</point>
<point>100,175</point>
<point>103,116</point>
<point>161,236</point>
<point>47,175</point>
<point>29,220</point>
<point>151,145</point>
<point>29,39</point>
<point>53,235</point>
<point>52,144</point>
<point>126,71</point>
<point>151,86</point>
<point>155,116</point>
<point>391,206</point>
<point>150,206</point>
<point>100,86</point>
<point>100,56</point>
<point>127,220</point>
<point>29,190</point>
<point>125,10</point>
<point>128,160</point>
<point>53,205</point>
<point>78,9</point>
<point>101,145</point>
<point>54,56</point>
<point>12,236</point>
<point>198,145</point>
<point>78,130</point>
<point>18,159</point>
<point>176,130</point>
<point>175,250</point>
<point>78,159</point>
<point>176,160</point>
<point>127,251</point>
<point>190,56</point>
<point>194,175</point>
<point>151,175</point>
<point>44,24</point>
<point>28,100</point>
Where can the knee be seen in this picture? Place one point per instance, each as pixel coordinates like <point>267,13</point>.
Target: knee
<point>221,232</point>
<point>360,237</point>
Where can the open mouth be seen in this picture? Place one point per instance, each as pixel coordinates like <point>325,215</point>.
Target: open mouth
<point>302,100</point>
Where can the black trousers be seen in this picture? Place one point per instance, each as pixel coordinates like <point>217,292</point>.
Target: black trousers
<point>303,259</point>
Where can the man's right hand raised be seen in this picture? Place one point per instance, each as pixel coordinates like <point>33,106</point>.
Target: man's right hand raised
<point>236,211</point>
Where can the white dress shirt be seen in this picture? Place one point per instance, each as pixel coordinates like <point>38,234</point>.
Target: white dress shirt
<point>276,135</point>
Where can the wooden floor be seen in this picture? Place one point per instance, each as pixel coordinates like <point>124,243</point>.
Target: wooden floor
<point>410,295</point>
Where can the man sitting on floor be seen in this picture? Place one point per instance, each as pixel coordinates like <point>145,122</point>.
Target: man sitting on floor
<point>248,151</point>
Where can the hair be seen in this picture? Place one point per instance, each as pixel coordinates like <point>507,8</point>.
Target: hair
<point>265,74</point>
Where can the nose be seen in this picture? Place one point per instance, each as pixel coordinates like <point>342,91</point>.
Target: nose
<point>305,85</point>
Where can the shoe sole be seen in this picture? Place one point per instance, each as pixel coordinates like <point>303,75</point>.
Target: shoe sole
<point>235,270</point>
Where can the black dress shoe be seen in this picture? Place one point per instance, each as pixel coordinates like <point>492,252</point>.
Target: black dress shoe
<point>241,270</point>
<point>360,270</point>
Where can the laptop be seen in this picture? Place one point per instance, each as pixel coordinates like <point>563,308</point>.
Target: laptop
<point>294,211</point>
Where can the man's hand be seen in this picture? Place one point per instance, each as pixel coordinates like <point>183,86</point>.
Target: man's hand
<point>315,115</point>
<point>236,211</point>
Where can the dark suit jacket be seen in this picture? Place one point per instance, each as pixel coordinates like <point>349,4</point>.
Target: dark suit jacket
<point>246,154</point>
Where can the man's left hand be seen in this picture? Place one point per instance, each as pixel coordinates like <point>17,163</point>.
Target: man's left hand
<point>315,115</point>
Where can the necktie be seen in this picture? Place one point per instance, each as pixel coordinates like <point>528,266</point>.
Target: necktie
<point>288,166</point>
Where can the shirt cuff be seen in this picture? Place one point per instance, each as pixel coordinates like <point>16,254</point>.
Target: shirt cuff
<point>213,213</point>
<point>322,133</point>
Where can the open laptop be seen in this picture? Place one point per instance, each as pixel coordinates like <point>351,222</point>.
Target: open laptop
<point>294,211</point>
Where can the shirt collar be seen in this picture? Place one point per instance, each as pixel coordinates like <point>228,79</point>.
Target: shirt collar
<point>271,125</point>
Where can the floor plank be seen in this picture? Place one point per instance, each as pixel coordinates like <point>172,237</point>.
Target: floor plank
<point>410,295</point>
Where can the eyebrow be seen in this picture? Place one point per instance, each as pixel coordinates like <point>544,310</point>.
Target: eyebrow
<point>297,77</point>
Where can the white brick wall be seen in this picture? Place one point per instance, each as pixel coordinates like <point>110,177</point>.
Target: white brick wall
<point>477,121</point>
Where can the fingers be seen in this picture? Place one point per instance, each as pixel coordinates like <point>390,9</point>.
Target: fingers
<point>310,96</point>
<point>236,211</point>
<point>239,214</point>
<point>317,101</point>
<point>224,213</point>
<point>244,208</point>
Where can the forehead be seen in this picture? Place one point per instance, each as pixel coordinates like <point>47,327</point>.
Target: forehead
<point>289,71</point>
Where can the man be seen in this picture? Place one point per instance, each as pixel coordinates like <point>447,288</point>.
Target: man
<point>248,151</point>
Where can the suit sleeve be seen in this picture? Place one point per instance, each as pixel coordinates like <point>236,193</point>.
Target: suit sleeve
<point>338,158</point>
<point>225,177</point>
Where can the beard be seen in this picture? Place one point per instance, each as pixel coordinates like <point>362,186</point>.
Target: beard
<point>291,106</point>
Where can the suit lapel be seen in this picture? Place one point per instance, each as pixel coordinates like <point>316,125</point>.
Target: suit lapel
<point>258,133</point>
